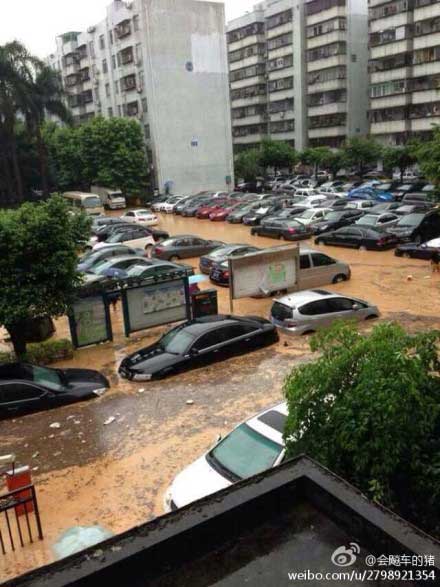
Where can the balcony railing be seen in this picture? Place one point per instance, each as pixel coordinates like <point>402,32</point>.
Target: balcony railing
<point>14,505</point>
<point>123,29</point>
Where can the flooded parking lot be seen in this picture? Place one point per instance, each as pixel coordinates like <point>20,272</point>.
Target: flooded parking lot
<point>88,472</point>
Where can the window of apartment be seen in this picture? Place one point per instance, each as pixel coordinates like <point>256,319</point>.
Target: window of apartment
<point>116,87</point>
<point>136,22</point>
<point>147,131</point>
<point>141,80</point>
<point>281,41</point>
<point>133,108</point>
<point>327,75</point>
<point>84,74</point>
<point>114,61</point>
<point>426,55</point>
<point>245,111</point>
<point>393,62</point>
<point>123,29</point>
<point>281,106</point>
<point>424,110</point>
<point>92,49</point>
<point>320,5</point>
<point>389,9</point>
<point>74,101</point>
<point>87,97</point>
<point>96,94</point>
<point>119,110</point>
<point>69,60</point>
<point>128,83</point>
<point>251,129</point>
<point>279,19</point>
<point>323,28</point>
<point>126,56</point>
<point>323,98</point>
<point>276,85</point>
<point>280,63</point>
<point>282,126</point>
<point>249,92</point>
<point>256,28</point>
<point>138,53</point>
<point>251,71</point>
<point>110,112</point>
<point>124,109</point>
<point>257,49</point>
<point>388,114</point>
<point>104,66</point>
<point>390,35</point>
<point>425,27</point>
<point>427,82</point>
<point>107,90</point>
<point>326,51</point>
<point>110,36</point>
<point>145,104</point>
<point>101,42</point>
<point>387,88</point>
<point>332,142</point>
<point>71,80</point>
<point>328,120</point>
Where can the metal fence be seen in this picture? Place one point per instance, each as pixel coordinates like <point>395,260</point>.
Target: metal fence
<point>19,518</point>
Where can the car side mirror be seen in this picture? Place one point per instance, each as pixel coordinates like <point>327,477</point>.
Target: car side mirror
<point>194,352</point>
<point>357,307</point>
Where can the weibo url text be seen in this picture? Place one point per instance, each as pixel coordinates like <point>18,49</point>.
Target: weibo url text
<point>366,575</point>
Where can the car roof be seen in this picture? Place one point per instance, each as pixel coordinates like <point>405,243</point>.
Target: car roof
<point>299,298</point>
<point>270,423</point>
<point>127,258</point>
<point>207,323</point>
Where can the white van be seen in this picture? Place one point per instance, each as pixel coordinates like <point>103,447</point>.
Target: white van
<point>111,199</point>
<point>317,269</point>
<point>89,203</point>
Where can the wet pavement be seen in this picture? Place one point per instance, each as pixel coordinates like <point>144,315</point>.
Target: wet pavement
<point>87,472</point>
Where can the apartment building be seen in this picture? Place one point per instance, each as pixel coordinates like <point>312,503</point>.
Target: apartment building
<point>163,63</point>
<point>337,70</point>
<point>299,72</point>
<point>404,69</point>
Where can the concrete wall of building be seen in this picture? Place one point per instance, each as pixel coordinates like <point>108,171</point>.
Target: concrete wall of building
<point>357,68</point>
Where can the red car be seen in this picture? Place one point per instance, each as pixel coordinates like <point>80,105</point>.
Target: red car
<point>204,211</point>
<point>222,211</point>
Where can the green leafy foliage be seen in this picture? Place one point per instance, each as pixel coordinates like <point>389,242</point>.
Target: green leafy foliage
<point>277,154</point>
<point>369,410</point>
<point>43,353</point>
<point>361,152</point>
<point>428,156</point>
<point>38,261</point>
<point>108,152</point>
<point>398,158</point>
<point>247,164</point>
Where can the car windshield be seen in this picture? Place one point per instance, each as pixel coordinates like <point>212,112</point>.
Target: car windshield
<point>92,202</point>
<point>116,237</point>
<point>368,219</point>
<point>136,270</point>
<point>47,377</point>
<point>102,266</point>
<point>223,252</point>
<point>307,214</point>
<point>245,452</point>
<point>169,242</point>
<point>333,216</point>
<point>410,220</point>
<point>143,213</point>
<point>176,341</point>
<point>404,188</point>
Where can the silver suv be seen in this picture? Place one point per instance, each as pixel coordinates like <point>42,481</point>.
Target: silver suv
<point>307,311</point>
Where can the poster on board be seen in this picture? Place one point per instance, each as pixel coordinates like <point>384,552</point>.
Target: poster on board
<point>90,322</point>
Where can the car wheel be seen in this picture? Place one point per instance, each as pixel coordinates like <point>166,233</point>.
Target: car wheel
<point>362,248</point>
<point>371,317</point>
<point>253,231</point>
<point>319,241</point>
<point>308,332</point>
<point>339,278</point>
<point>174,258</point>
<point>149,250</point>
<point>406,255</point>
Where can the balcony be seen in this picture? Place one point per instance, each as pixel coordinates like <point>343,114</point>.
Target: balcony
<point>133,108</point>
<point>128,83</point>
<point>123,29</point>
<point>82,52</point>
<point>330,131</point>
<point>388,127</point>
<point>126,56</point>
<point>71,80</point>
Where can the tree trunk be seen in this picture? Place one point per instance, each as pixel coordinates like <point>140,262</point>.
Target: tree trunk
<point>42,156</point>
<point>18,338</point>
<point>17,171</point>
<point>7,179</point>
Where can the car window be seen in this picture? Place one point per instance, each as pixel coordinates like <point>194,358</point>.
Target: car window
<point>17,392</point>
<point>304,262</point>
<point>130,214</point>
<point>314,308</point>
<point>340,304</point>
<point>321,260</point>
<point>236,330</point>
<point>210,339</point>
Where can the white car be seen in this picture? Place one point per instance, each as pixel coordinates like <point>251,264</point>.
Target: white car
<point>314,201</point>
<point>336,192</point>
<point>309,217</point>
<point>137,238</point>
<point>145,217</point>
<point>169,205</point>
<point>251,448</point>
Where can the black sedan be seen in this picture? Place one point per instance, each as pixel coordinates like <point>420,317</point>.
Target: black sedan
<point>197,343</point>
<point>183,247</point>
<point>220,274</point>
<point>267,209</point>
<point>417,251</point>
<point>104,232</point>
<point>337,219</point>
<point>358,238</point>
<point>288,229</point>
<point>240,211</point>
<point>28,388</point>
<point>223,253</point>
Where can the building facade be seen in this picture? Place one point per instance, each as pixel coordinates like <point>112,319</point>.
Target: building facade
<point>404,69</point>
<point>299,72</point>
<point>163,63</point>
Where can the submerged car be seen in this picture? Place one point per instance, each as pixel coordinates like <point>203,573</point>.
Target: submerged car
<point>336,219</point>
<point>183,247</point>
<point>197,343</point>
<point>90,259</point>
<point>143,217</point>
<point>289,229</point>
<point>419,251</point>
<point>358,237</point>
<point>30,388</point>
<point>223,253</point>
<point>417,227</point>
<point>307,311</point>
<point>378,221</point>
<point>251,448</point>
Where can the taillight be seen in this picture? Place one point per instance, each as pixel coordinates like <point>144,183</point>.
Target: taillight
<point>291,230</point>
<point>226,274</point>
<point>158,250</point>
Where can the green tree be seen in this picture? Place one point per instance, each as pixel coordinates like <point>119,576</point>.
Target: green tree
<point>38,263</point>
<point>334,162</point>
<point>360,153</point>
<point>108,152</point>
<point>316,157</point>
<point>277,154</point>
<point>369,410</point>
<point>398,158</point>
<point>428,156</point>
<point>247,164</point>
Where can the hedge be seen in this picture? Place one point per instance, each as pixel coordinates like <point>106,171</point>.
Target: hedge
<point>43,353</point>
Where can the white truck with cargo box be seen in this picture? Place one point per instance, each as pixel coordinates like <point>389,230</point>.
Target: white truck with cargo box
<point>111,199</point>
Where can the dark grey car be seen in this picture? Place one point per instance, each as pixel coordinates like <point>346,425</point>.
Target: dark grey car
<point>184,246</point>
<point>223,253</point>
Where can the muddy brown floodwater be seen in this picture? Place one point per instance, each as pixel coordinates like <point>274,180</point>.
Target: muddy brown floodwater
<point>87,472</point>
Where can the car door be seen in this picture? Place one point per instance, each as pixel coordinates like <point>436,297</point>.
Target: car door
<point>19,397</point>
<point>140,239</point>
<point>200,247</point>
<point>315,315</point>
<point>305,271</point>
<point>208,348</point>
<point>129,217</point>
<point>353,237</point>
<point>323,269</point>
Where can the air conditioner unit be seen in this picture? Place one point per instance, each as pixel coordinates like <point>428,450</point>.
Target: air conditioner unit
<point>91,29</point>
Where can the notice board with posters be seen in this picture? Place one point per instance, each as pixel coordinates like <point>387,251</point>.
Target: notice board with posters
<point>264,272</point>
<point>156,304</point>
<point>90,321</point>
<point>204,303</point>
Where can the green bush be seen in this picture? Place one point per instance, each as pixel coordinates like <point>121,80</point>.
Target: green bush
<point>43,353</point>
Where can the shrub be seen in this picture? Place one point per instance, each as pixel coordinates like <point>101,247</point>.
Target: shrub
<point>43,353</point>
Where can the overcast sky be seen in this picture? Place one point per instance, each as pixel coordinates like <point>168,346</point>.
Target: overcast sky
<point>37,22</point>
